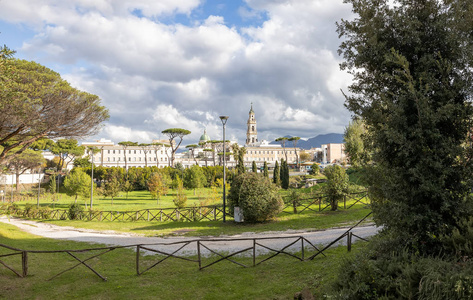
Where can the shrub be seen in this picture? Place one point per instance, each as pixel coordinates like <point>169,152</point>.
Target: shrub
<point>256,196</point>
<point>386,269</point>
<point>336,186</point>
<point>75,211</point>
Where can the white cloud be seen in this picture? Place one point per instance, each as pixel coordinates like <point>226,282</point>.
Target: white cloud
<point>154,75</point>
<point>122,133</point>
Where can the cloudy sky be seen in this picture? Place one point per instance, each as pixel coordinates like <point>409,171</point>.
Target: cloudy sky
<point>159,64</point>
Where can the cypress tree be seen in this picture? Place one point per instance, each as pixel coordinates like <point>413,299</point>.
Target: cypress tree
<point>265,170</point>
<point>276,173</point>
<point>284,175</point>
<point>254,168</point>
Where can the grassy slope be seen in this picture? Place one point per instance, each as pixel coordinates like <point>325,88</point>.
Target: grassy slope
<point>174,279</point>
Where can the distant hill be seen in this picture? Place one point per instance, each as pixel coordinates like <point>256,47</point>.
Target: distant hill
<point>318,141</point>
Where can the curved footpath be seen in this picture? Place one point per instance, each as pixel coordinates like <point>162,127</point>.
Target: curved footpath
<point>228,244</point>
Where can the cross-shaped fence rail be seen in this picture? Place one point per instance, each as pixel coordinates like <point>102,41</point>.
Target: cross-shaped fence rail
<point>295,248</point>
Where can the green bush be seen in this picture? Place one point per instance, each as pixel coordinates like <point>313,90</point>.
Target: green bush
<point>384,271</point>
<point>75,211</point>
<point>256,196</point>
<point>336,186</point>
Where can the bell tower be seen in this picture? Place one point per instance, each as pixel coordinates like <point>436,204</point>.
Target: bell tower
<point>251,133</point>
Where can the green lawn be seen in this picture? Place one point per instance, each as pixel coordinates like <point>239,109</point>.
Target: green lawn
<point>304,221</point>
<point>279,278</point>
<point>307,220</point>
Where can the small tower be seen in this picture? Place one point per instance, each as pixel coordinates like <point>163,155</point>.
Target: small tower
<point>251,133</point>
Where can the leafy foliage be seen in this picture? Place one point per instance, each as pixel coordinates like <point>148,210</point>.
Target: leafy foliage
<point>413,86</point>
<point>112,188</point>
<point>75,211</point>
<point>77,183</point>
<point>39,103</point>
<point>181,199</point>
<point>354,145</point>
<point>337,184</point>
<point>256,196</point>
<point>158,185</point>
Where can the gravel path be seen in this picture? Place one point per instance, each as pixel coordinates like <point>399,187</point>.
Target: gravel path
<point>222,244</point>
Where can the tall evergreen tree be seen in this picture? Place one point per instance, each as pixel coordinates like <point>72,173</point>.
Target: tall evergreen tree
<point>413,85</point>
<point>276,173</point>
<point>265,170</point>
<point>284,175</point>
<point>254,169</point>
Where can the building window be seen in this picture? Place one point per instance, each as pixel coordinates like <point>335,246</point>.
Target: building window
<point>108,158</point>
<point>252,128</point>
<point>114,159</point>
<point>135,151</point>
<point>113,151</point>
<point>108,151</point>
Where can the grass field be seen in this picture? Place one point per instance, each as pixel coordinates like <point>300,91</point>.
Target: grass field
<point>134,201</point>
<point>287,220</point>
<point>279,278</point>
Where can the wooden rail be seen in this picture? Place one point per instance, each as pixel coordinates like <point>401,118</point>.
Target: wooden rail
<point>302,244</point>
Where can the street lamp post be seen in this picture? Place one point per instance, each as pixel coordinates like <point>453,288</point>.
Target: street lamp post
<point>224,121</point>
<point>92,180</point>
<point>39,185</point>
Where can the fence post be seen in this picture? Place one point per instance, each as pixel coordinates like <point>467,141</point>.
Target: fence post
<point>177,214</point>
<point>215,215</point>
<point>254,252</point>
<point>161,215</point>
<point>344,201</point>
<point>148,214</point>
<point>320,201</point>
<point>198,255</point>
<point>302,248</point>
<point>24,263</point>
<point>138,259</point>
<point>349,237</point>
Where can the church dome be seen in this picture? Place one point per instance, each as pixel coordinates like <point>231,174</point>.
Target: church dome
<point>204,137</point>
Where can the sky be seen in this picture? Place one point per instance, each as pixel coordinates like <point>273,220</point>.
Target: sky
<point>159,64</point>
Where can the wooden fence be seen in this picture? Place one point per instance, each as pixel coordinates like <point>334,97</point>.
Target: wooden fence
<point>319,202</point>
<point>300,242</point>
<point>189,214</point>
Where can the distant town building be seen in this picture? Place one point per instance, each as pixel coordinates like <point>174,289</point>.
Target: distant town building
<point>333,153</point>
<point>114,155</point>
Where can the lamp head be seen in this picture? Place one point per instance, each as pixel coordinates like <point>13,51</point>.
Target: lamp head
<point>224,119</point>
